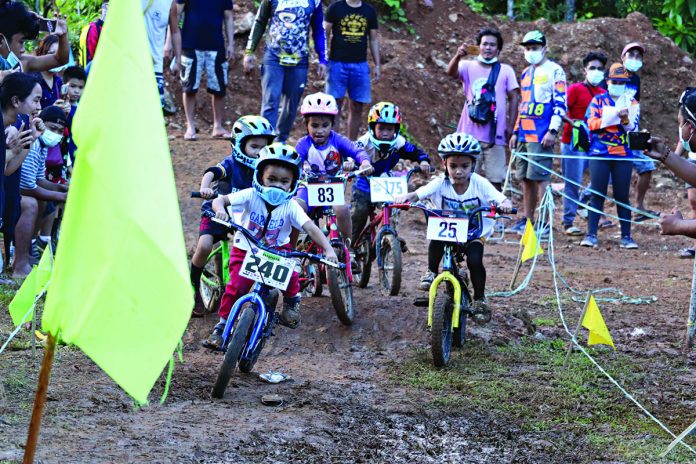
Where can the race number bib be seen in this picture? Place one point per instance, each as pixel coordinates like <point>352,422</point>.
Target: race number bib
<point>448,229</point>
<point>267,268</point>
<point>387,188</point>
<point>326,194</point>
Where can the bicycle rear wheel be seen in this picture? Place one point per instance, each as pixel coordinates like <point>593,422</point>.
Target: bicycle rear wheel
<point>238,338</point>
<point>340,289</point>
<point>390,272</point>
<point>441,330</point>
<point>313,285</point>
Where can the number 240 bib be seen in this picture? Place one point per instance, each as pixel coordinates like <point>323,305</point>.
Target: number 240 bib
<point>267,268</point>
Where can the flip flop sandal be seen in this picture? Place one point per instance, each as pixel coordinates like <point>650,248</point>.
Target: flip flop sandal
<point>191,138</point>
<point>224,136</point>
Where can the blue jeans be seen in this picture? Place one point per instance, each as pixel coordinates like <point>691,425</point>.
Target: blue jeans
<point>282,88</point>
<point>573,169</point>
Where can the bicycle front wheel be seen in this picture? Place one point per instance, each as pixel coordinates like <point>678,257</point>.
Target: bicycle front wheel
<point>238,339</point>
<point>341,291</point>
<point>390,273</point>
<point>211,287</point>
<point>441,330</point>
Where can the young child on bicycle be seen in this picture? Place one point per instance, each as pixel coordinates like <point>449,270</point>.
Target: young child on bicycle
<point>270,213</point>
<point>324,152</point>
<point>249,135</point>
<point>386,147</point>
<point>462,189</point>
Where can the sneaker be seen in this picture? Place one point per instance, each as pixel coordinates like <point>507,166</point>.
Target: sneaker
<point>544,232</point>
<point>628,243</point>
<point>645,215</point>
<point>214,341</point>
<point>570,229</point>
<point>480,311</point>
<point>519,226</point>
<point>290,315</point>
<point>589,241</point>
<point>582,213</point>
<point>426,280</point>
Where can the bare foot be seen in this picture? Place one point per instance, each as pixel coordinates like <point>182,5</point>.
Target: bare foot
<point>21,272</point>
<point>190,133</point>
<point>220,133</point>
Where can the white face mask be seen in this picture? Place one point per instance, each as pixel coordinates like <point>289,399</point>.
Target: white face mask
<point>485,61</point>
<point>50,138</point>
<point>595,76</point>
<point>616,90</point>
<point>12,59</point>
<point>686,144</point>
<point>533,56</point>
<point>633,64</point>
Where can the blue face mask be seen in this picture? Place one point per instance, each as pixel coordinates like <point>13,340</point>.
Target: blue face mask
<point>274,195</point>
<point>12,59</point>
<point>686,144</point>
<point>616,90</point>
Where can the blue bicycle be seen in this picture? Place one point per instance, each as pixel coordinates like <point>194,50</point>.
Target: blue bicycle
<point>252,317</point>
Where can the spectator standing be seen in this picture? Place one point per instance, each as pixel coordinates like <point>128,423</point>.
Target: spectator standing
<point>609,117</point>
<point>158,15</point>
<point>286,57</point>
<point>491,129</point>
<point>204,49</point>
<point>89,38</point>
<point>350,25</point>
<point>574,163</point>
<point>541,112</point>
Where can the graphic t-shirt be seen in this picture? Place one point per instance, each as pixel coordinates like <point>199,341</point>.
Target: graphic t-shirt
<point>543,101</point>
<point>351,30</point>
<point>474,75</point>
<point>156,14</point>
<point>255,218</point>
<point>203,24</point>
<point>328,159</point>
<point>480,193</point>
<point>608,137</point>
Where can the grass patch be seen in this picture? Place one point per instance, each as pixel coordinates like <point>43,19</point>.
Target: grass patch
<point>528,384</point>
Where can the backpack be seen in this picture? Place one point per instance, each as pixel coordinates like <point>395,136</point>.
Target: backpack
<point>85,57</point>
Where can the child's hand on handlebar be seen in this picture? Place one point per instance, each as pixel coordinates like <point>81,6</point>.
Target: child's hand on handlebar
<point>408,198</point>
<point>223,216</point>
<point>330,255</point>
<point>366,167</point>
<point>349,165</point>
<point>425,168</point>
<point>505,207</point>
<point>207,193</point>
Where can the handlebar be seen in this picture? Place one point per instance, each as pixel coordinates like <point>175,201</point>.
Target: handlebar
<point>257,243</point>
<point>196,195</point>
<point>316,178</point>
<point>492,209</point>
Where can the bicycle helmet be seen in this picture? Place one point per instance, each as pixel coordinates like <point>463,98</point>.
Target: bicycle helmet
<point>459,143</point>
<point>277,153</point>
<point>245,128</point>
<point>384,113</point>
<point>319,103</point>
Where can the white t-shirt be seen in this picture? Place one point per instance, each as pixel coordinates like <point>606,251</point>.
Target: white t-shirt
<point>480,193</point>
<point>156,14</point>
<point>255,216</point>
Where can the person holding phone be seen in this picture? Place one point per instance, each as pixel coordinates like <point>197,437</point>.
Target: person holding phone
<point>609,117</point>
<point>17,25</point>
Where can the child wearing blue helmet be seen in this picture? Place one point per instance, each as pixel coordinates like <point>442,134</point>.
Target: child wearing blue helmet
<point>249,135</point>
<point>270,213</point>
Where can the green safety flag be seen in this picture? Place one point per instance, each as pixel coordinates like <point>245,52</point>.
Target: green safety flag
<point>120,289</point>
<point>34,284</point>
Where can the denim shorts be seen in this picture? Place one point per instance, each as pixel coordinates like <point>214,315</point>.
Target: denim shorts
<point>351,77</point>
<point>643,163</point>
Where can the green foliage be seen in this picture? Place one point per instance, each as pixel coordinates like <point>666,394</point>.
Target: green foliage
<point>393,11</point>
<point>79,13</point>
<point>677,22</point>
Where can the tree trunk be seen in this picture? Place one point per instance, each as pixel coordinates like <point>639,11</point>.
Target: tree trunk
<point>570,11</point>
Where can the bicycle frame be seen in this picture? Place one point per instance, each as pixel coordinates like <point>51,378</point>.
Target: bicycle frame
<point>224,249</point>
<point>256,298</point>
<point>448,276</point>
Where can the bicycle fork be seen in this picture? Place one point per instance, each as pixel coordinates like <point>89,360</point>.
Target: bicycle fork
<point>457,288</point>
<point>336,239</point>
<point>261,314</point>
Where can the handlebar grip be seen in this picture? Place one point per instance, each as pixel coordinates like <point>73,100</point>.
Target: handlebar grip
<point>513,211</point>
<point>196,195</point>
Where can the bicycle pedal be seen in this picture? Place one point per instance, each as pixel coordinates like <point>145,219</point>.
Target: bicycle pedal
<point>421,301</point>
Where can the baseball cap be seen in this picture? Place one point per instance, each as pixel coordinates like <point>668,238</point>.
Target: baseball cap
<point>618,72</point>
<point>534,38</point>
<point>633,45</point>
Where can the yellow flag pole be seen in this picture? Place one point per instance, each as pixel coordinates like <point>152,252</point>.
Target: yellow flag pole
<point>39,400</point>
<point>517,267</point>
<point>577,329</point>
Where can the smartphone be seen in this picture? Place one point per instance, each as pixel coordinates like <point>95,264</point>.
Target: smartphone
<point>473,50</point>
<point>47,25</point>
<point>64,91</point>
<point>639,140</point>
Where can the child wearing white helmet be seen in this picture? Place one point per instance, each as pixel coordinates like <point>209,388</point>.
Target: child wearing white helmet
<point>326,153</point>
<point>270,213</point>
<point>462,189</point>
<point>249,135</point>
